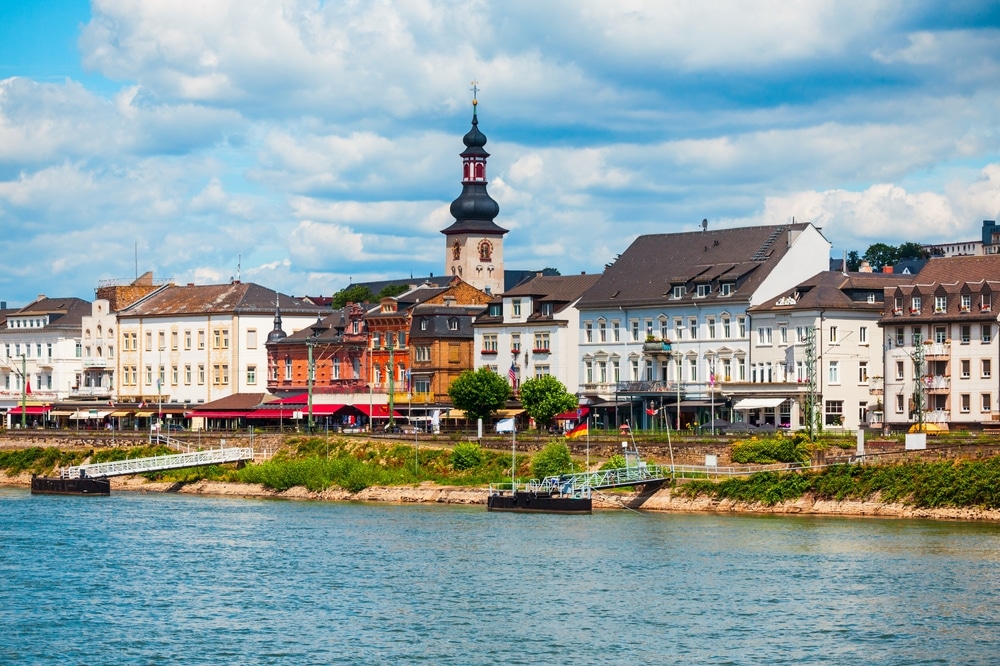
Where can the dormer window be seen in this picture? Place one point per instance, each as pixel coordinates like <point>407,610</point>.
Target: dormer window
<point>679,291</point>
<point>515,306</point>
<point>915,305</point>
<point>546,309</point>
<point>726,289</point>
<point>496,310</point>
<point>871,298</point>
<point>940,303</point>
<point>453,324</point>
<point>966,302</point>
<point>704,290</point>
<point>423,324</point>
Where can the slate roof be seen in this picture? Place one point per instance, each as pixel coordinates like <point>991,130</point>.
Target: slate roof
<point>951,277</point>
<point>559,290</point>
<point>64,313</point>
<point>645,274</point>
<point>437,317</point>
<point>236,401</point>
<point>835,290</point>
<point>232,298</point>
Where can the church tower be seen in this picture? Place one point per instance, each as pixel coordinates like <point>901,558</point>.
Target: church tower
<point>474,243</point>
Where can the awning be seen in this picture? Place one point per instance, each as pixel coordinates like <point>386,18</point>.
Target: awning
<point>31,410</point>
<point>274,413</point>
<point>325,409</point>
<point>145,414</point>
<point>758,403</point>
<point>88,414</point>
<point>508,413</point>
<point>61,412</point>
<point>573,414</point>
<point>455,414</point>
<point>299,399</point>
<point>120,412</point>
<point>209,414</point>
<point>378,411</point>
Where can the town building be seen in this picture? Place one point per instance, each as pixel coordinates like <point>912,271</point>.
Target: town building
<point>197,343</point>
<point>534,330</point>
<point>672,310</point>
<point>817,344</point>
<point>940,329</point>
<point>41,356</point>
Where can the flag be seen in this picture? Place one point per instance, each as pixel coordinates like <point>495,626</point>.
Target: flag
<point>512,375</point>
<point>141,405</point>
<point>505,425</point>
<point>578,431</point>
<point>652,412</point>
<point>28,390</point>
<point>711,378</point>
<point>111,403</point>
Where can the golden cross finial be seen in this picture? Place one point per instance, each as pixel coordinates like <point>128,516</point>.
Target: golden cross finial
<point>474,89</point>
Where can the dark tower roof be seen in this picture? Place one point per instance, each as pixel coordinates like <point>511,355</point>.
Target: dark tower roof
<point>277,333</point>
<point>474,209</point>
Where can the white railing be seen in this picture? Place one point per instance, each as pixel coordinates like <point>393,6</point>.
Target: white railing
<point>159,463</point>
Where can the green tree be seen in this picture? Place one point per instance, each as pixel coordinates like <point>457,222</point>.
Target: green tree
<point>553,460</point>
<point>880,255</point>
<point>392,290</point>
<point>853,260</point>
<point>479,392</point>
<point>356,293</point>
<point>912,251</point>
<point>544,397</point>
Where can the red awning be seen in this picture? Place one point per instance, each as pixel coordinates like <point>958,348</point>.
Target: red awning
<point>273,413</point>
<point>377,411</point>
<point>208,414</point>
<point>326,409</point>
<point>299,399</point>
<point>31,410</point>
<point>573,414</point>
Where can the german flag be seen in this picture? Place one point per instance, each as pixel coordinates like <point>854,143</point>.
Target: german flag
<point>579,431</point>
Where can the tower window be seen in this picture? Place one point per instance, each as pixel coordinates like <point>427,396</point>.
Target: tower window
<point>480,171</point>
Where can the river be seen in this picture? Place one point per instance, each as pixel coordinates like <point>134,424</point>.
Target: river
<point>166,579</point>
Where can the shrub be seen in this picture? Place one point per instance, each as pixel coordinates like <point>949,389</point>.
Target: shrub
<point>616,461</point>
<point>771,450</point>
<point>467,455</point>
<point>553,460</point>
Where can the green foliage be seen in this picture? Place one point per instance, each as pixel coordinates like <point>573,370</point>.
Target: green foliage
<point>770,450</point>
<point>392,290</point>
<point>37,460</point>
<point>553,460</point>
<point>969,483</point>
<point>544,397</point>
<point>880,255</point>
<point>356,293</point>
<point>479,393</point>
<point>616,461</point>
<point>467,455</point>
<point>853,260</point>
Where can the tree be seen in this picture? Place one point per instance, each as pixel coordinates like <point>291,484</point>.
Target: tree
<point>392,290</point>
<point>553,460</point>
<point>912,251</point>
<point>545,397</point>
<point>880,255</point>
<point>356,293</point>
<point>853,260</point>
<point>480,392</point>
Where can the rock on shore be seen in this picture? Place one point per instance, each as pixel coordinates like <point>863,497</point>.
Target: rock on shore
<point>427,492</point>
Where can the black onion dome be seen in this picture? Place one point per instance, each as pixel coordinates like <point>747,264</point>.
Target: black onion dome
<point>474,140</point>
<point>474,209</point>
<point>276,334</point>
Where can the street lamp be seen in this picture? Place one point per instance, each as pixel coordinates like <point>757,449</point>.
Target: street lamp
<point>678,358</point>
<point>24,392</point>
<point>317,329</point>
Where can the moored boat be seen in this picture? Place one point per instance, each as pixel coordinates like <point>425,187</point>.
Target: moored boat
<point>547,496</point>
<point>44,485</point>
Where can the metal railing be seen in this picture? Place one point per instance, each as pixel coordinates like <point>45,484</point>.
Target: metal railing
<point>158,463</point>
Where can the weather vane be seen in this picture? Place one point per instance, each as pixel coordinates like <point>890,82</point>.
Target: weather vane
<point>474,89</point>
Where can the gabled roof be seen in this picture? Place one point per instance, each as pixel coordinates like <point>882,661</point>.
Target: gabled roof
<point>232,298</point>
<point>556,288</point>
<point>63,313</point>
<point>834,290</point>
<point>950,270</point>
<point>647,271</point>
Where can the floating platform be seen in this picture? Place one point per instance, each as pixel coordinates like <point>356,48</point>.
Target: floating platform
<point>548,496</point>
<point>43,485</point>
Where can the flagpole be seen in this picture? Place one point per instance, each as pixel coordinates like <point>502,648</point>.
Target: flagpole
<point>513,457</point>
<point>588,443</point>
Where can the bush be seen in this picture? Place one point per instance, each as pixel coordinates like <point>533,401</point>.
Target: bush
<point>467,455</point>
<point>616,461</point>
<point>553,460</point>
<point>771,450</point>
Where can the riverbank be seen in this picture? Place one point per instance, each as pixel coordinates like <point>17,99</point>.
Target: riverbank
<point>664,500</point>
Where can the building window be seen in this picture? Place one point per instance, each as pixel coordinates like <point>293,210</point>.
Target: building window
<point>915,305</point>
<point>541,371</point>
<point>834,413</point>
<point>201,374</point>
<point>710,322</point>
<point>741,323</point>
<point>764,335</point>
<point>679,291</point>
<point>940,334</point>
<point>863,335</point>
<point>783,334</point>
<point>726,331</point>
<point>173,340</point>
<point>288,369</point>
<point>985,302</point>
<point>966,302</point>
<point>516,307</point>
<point>588,332</point>
<point>635,369</point>
<point>900,370</point>
<point>174,375</point>
<point>187,374</point>
<point>251,338</point>
<point>602,331</point>
<point>940,304</point>
<point>201,339</point>
<point>863,372</point>
<point>161,339</point>
<point>965,368</point>
<point>987,403</point>
<point>834,372</point>
<point>515,342</point>
<point>149,341</point>
<point>187,339</point>
<point>453,324</point>
<point>966,402</point>
<point>900,401</point>
<point>704,290</point>
<point>987,334</point>
<point>833,334</point>
<point>588,370</point>
<point>251,375</point>
<point>693,328</point>
<point>726,289</point>
<point>495,311</point>
<point>616,330</point>
<point>635,330</point>
<point>422,354</point>
<point>149,375</point>
<point>966,332</point>
<point>490,343</point>
<point>692,369</point>
<point>615,371</point>
<point>546,309</point>
<point>987,368</point>
<point>542,341</point>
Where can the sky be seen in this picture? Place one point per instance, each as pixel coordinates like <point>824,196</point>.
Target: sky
<point>303,145</point>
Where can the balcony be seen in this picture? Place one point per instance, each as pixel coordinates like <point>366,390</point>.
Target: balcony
<point>876,386</point>
<point>661,349</point>
<point>93,391</point>
<point>937,349</point>
<point>937,383</point>
<point>95,363</point>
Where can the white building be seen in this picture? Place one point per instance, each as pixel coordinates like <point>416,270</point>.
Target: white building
<point>195,344</point>
<point>40,354</point>
<point>98,344</point>
<point>665,328</point>
<point>534,329</point>
<point>841,312</point>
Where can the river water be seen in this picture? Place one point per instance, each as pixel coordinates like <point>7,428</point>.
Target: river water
<point>170,579</point>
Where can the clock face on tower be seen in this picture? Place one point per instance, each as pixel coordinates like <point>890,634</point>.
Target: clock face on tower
<point>485,251</point>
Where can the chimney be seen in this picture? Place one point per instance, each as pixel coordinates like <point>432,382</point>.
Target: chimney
<point>864,267</point>
<point>887,269</point>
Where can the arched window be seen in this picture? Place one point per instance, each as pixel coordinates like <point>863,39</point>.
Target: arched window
<point>467,171</point>
<point>480,171</point>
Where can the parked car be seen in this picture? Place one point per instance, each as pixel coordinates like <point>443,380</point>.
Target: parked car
<point>175,427</point>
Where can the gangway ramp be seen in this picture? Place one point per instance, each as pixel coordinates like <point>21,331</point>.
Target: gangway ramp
<point>159,463</point>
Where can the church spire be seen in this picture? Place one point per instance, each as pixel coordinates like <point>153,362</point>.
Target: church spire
<point>474,209</point>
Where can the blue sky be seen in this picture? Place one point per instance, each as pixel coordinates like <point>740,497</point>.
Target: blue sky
<point>303,144</point>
